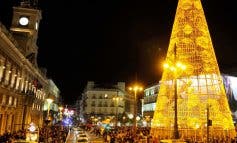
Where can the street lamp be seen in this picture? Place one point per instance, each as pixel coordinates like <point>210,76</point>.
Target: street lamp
<point>177,66</point>
<point>148,120</point>
<point>60,113</point>
<point>209,122</point>
<point>196,127</point>
<point>49,101</point>
<point>116,99</point>
<point>135,89</point>
<point>124,120</point>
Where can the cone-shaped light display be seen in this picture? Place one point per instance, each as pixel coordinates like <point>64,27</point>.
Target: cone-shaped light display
<point>191,98</point>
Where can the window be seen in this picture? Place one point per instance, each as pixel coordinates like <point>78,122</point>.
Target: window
<point>105,104</point>
<point>106,96</point>
<point>100,104</point>
<point>93,96</point>
<point>4,99</point>
<point>147,93</point>
<point>100,97</point>
<point>99,111</point>
<point>15,102</point>
<point>112,111</point>
<point>105,111</point>
<point>93,103</point>
<point>10,101</point>
<point>152,92</point>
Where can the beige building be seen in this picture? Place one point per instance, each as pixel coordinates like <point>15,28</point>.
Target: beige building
<point>103,101</point>
<point>23,86</point>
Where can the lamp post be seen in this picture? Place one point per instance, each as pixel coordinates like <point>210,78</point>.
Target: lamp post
<point>209,122</point>
<point>174,68</point>
<point>60,112</point>
<point>116,99</point>
<point>196,127</point>
<point>124,120</point>
<point>148,120</point>
<point>135,89</point>
<point>49,101</point>
<point>176,130</point>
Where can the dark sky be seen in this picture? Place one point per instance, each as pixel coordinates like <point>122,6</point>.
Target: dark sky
<point>117,40</point>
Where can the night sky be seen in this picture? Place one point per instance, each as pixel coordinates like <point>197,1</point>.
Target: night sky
<point>117,40</point>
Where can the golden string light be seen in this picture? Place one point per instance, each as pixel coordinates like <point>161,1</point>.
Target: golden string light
<point>199,85</point>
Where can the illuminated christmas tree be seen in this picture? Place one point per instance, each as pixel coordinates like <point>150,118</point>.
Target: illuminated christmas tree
<point>191,102</point>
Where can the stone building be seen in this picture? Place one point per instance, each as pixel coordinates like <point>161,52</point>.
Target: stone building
<point>103,101</point>
<point>23,85</point>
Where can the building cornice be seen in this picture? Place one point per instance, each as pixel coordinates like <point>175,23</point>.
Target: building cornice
<point>17,56</point>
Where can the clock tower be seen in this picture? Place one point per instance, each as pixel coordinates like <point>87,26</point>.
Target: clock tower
<point>24,28</point>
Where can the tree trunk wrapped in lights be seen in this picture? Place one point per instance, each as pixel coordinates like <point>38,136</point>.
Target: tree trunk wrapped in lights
<point>195,89</point>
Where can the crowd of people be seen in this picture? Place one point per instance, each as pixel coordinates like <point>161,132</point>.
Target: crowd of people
<point>124,134</point>
<point>53,134</point>
<point>128,135</point>
<point>50,134</point>
<point>11,137</point>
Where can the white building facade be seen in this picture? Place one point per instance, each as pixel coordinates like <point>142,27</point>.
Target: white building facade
<point>101,102</point>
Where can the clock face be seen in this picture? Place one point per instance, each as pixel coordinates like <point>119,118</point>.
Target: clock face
<point>24,21</point>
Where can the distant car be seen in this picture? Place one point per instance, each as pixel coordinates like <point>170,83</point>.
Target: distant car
<point>172,141</point>
<point>77,129</point>
<point>79,132</point>
<point>83,140</point>
<point>82,136</point>
<point>21,141</point>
